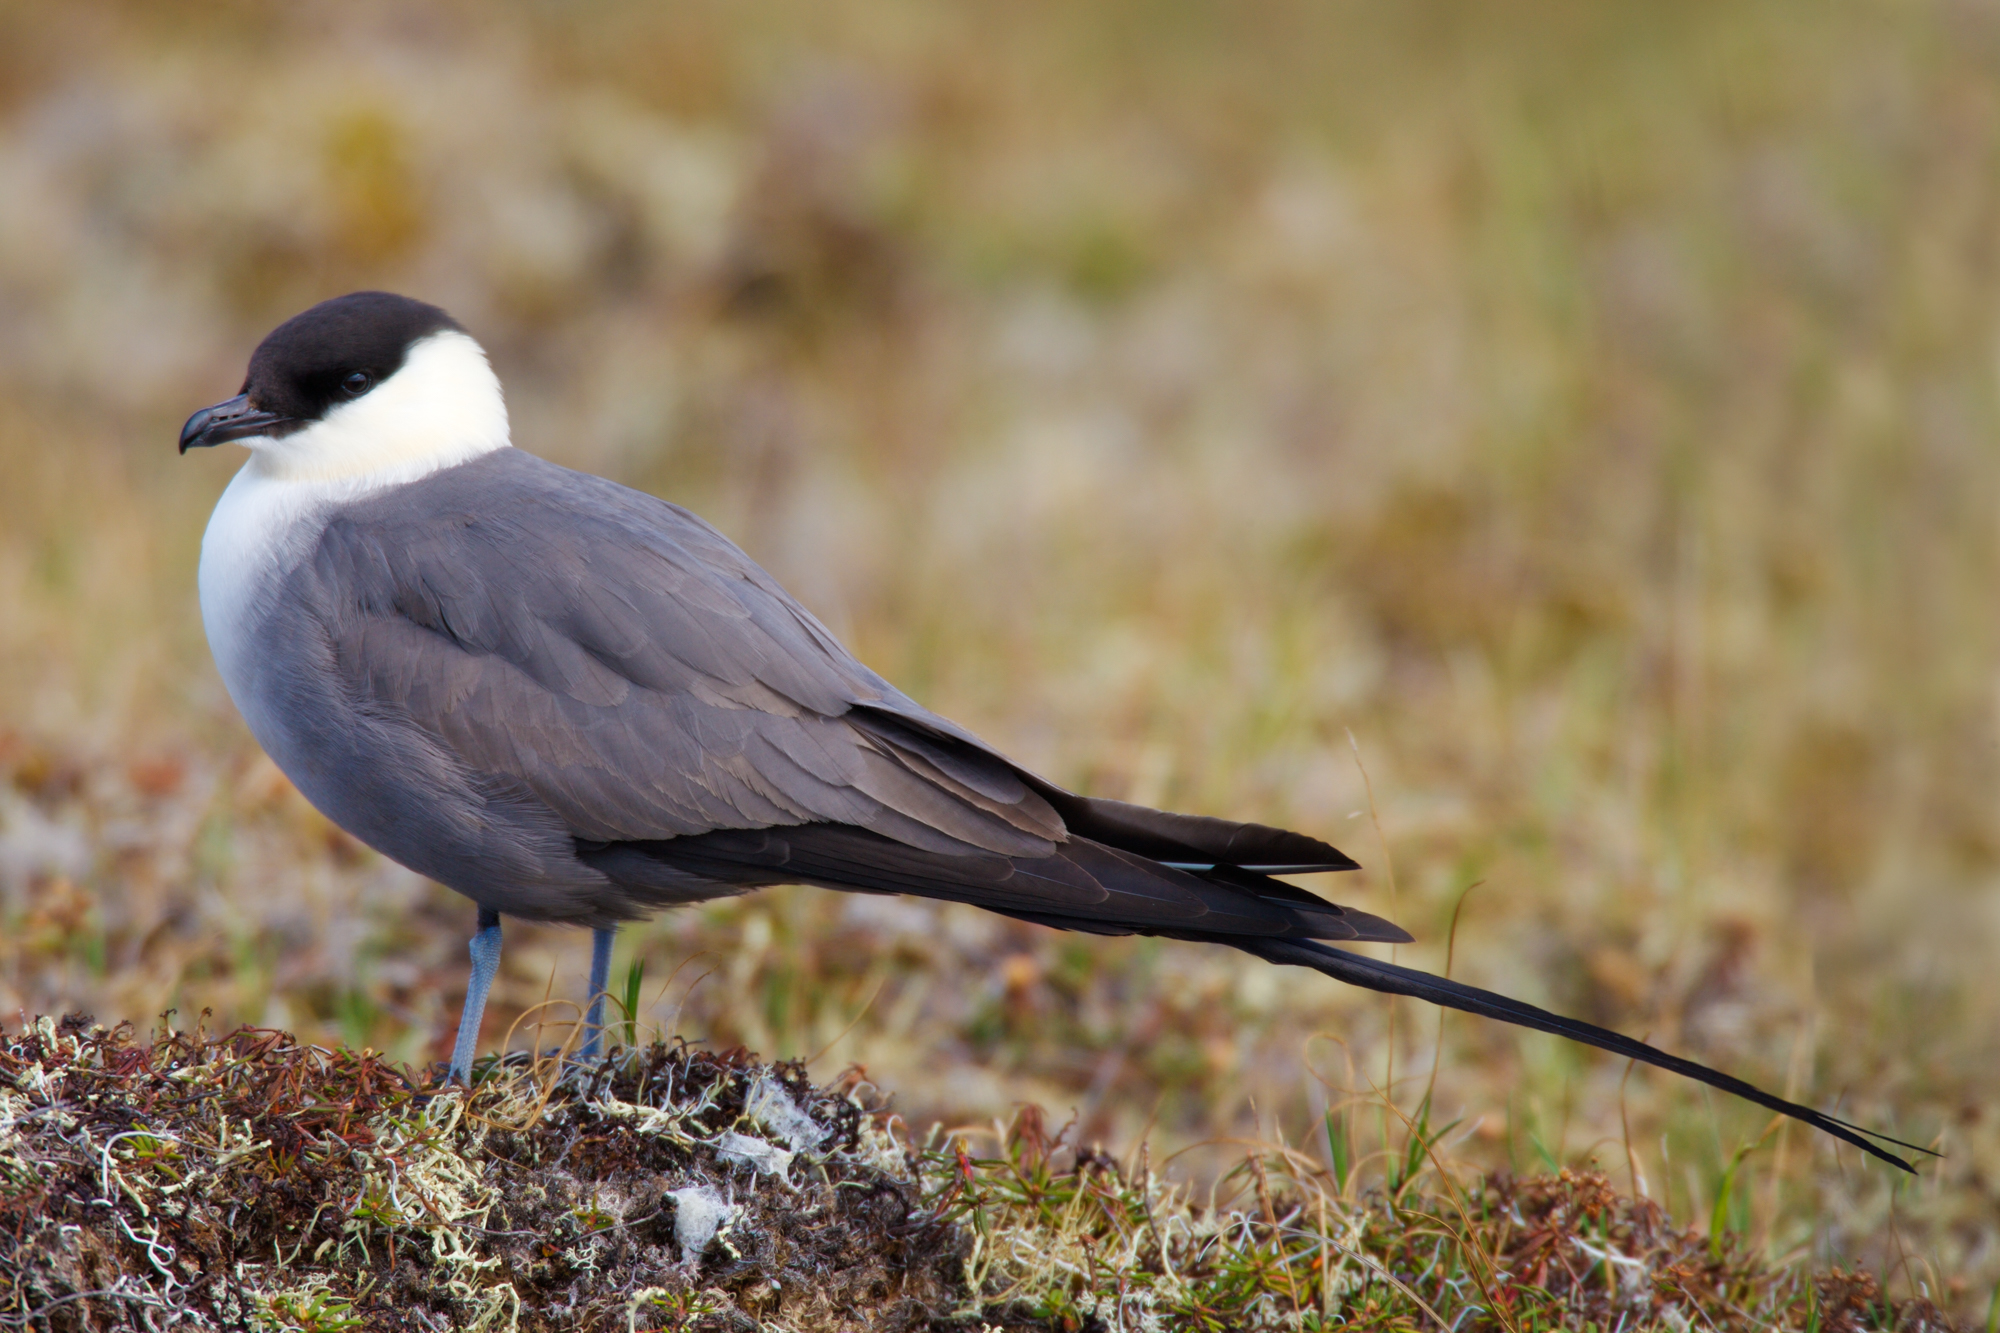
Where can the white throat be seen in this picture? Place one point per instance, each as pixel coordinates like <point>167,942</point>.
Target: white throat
<point>440,409</point>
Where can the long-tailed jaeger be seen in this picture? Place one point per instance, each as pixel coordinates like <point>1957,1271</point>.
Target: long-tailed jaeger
<point>574,702</point>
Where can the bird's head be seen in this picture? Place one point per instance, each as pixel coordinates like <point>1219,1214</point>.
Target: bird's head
<point>365,383</point>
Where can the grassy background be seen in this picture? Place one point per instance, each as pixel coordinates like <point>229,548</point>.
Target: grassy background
<point>1590,409</point>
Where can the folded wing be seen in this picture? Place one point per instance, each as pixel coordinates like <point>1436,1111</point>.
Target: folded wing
<point>669,702</point>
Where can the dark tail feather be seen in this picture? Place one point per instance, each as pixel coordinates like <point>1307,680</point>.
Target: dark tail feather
<point>1374,974</point>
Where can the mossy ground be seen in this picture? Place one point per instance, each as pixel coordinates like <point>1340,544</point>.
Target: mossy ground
<point>249,1181</point>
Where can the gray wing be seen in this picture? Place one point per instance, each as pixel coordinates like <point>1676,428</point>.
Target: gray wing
<point>633,669</point>
<point>663,696</point>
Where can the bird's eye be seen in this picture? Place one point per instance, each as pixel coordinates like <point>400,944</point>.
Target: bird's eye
<point>357,384</point>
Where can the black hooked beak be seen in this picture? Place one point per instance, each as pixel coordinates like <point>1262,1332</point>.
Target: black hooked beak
<point>233,420</point>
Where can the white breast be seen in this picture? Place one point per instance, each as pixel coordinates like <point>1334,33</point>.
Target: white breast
<point>261,528</point>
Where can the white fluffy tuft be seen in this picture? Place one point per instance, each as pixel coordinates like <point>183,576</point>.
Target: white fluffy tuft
<point>699,1212</point>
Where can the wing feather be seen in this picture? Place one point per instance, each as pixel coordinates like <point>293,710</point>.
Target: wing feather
<point>638,673</point>
<point>621,661</point>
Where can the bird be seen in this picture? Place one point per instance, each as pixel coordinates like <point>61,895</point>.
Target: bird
<point>575,702</point>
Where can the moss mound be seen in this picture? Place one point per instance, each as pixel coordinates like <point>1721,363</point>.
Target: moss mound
<point>246,1181</point>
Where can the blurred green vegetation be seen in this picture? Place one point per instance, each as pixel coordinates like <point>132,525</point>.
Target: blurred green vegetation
<point>1590,409</point>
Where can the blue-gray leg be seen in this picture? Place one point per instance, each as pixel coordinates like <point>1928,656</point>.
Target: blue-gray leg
<point>600,977</point>
<point>485,962</point>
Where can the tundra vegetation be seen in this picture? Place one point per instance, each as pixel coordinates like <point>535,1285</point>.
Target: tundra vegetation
<point>249,1181</point>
